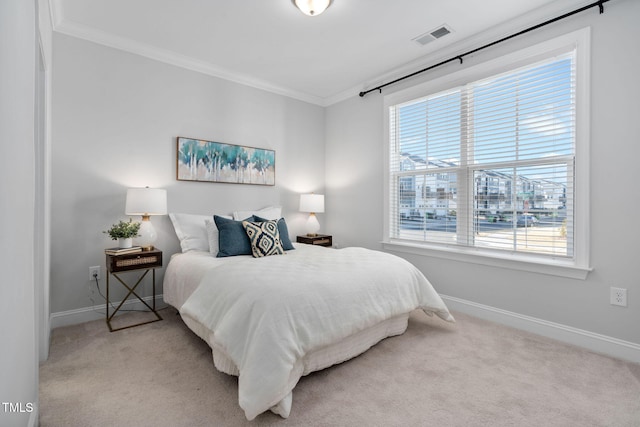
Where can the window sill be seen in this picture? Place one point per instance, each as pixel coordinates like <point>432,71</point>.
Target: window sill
<point>533,264</point>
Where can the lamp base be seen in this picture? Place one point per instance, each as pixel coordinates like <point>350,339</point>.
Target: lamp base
<point>313,226</point>
<point>147,234</point>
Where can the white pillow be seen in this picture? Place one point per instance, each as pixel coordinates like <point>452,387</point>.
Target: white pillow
<point>269,213</point>
<point>213,236</point>
<point>191,231</point>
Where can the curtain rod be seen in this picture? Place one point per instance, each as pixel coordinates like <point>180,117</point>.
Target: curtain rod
<point>599,3</point>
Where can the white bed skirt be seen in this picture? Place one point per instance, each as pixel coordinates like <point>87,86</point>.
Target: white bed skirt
<point>321,358</point>
<point>315,360</point>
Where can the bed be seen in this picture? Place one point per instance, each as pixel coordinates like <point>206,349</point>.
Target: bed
<point>272,319</point>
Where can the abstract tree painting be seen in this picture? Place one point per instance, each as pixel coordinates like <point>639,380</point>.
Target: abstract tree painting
<point>210,161</point>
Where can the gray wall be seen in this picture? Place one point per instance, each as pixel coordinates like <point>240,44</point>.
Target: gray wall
<point>354,157</point>
<point>19,354</point>
<point>116,117</point>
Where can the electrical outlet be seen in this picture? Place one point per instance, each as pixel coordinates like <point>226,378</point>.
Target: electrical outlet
<point>94,271</point>
<point>619,296</point>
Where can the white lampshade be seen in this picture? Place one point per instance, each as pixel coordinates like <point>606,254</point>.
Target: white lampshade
<point>146,201</point>
<point>312,203</point>
<point>312,7</point>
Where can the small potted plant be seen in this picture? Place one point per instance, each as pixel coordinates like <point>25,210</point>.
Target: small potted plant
<point>124,232</point>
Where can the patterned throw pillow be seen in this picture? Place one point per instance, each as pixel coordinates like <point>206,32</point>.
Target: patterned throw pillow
<point>287,245</point>
<point>264,238</point>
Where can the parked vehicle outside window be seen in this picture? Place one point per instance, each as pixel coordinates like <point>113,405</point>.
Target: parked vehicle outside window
<point>526,220</point>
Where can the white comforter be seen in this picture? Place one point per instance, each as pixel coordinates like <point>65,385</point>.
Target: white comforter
<point>267,313</point>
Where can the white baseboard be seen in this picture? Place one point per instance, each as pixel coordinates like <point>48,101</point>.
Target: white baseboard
<point>595,342</point>
<point>590,340</point>
<point>97,312</point>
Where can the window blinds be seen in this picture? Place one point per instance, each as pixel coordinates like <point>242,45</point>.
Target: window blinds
<point>489,164</point>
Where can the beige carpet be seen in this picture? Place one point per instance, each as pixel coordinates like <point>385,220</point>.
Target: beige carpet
<point>472,373</point>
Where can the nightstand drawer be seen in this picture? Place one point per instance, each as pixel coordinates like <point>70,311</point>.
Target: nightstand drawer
<point>136,261</point>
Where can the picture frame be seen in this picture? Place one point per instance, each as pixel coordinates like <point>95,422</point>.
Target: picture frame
<point>209,161</point>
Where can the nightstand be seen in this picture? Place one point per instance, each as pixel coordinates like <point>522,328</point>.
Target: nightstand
<point>144,262</point>
<point>317,240</point>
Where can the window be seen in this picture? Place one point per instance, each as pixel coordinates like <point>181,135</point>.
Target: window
<point>489,164</point>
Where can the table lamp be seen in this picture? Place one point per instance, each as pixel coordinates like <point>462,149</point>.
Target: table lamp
<point>312,203</point>
<point>146,202</point>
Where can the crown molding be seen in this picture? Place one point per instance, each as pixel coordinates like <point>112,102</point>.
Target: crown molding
<point>557,8</point>
<point>63,26</point>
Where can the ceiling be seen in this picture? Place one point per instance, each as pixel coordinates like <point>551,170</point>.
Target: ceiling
<point>269,44</point>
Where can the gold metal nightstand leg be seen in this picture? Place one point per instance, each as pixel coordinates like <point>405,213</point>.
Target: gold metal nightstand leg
<point>132,291</point>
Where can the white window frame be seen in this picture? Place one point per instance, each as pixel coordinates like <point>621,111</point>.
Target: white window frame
<point>577,267</point>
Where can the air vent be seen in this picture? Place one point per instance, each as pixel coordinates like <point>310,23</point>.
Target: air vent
<point>432,35</point>
<point>440,32</point>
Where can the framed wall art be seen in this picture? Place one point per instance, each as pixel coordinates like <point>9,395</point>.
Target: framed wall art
<point>209,161</point>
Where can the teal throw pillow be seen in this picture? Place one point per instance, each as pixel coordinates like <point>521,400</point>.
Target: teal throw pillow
<point>232,238</point>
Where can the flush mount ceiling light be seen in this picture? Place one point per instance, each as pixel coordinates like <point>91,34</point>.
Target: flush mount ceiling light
<point>312,7</point>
